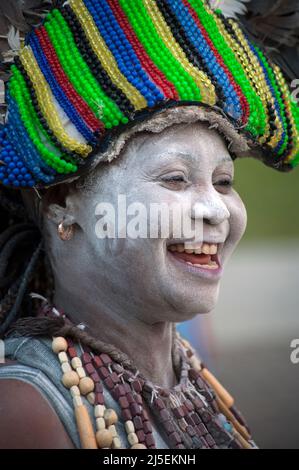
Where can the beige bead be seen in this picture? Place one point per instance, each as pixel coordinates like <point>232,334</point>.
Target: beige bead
<point>76,362</point>
<point>99,411</point>
<point>62,356</point>
<point>104,438</point>
<point>91,398</point>
<point>100,424</point>
<point>75,392</point>
<point>138,446</point>
<point>81,372</point>
<point>86,385</point>
<point>116,444</point>
<point>132,438</point>
<point>113,431</point>
<point>85,428</point>
<point>77,401</point>
<point>110,417</point>
<point>59,344</point>
<point>66,367</point>
<point>129,427</point>
<point>69,379</point>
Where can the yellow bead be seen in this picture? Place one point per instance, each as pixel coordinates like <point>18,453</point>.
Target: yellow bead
<point>59,344</point>
<point>69,379</point>
<point>104,438</point>
<point>86,385</point>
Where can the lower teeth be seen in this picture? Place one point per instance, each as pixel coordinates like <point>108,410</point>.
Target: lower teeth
<point>213,265</point>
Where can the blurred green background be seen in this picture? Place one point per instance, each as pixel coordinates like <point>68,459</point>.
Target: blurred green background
<point>271,199</point>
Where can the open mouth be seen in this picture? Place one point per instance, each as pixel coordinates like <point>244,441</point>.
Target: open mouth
<point>203,256</point>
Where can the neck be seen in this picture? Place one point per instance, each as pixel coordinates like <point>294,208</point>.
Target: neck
<point>149,346</point>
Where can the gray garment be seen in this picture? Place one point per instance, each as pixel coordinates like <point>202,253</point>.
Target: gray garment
<point>38,366</point>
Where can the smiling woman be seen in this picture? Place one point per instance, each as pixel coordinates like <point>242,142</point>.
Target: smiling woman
<point>167,99</point>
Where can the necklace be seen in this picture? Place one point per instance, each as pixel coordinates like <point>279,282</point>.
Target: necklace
<point>197,413</point>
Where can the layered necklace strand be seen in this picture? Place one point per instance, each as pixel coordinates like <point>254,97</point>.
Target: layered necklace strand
<point>191,415</point>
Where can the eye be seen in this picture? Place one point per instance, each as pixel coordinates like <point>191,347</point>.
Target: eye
<point>174,180</point>
<point>224,185</point>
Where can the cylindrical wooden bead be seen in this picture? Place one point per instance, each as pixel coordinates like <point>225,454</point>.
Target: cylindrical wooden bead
<point>76,362</point>
<point>116,444</point>
<point>138,446</point>
<point>129,426</point>
<point>62,356</point>
<point>112,429</point>
<point>81,372</point>
<point>104,438</point>
<point>86,385</point>
<point>77,401</point>
<point>100,423</point>
<point>69,379</point>
<point>75,392</point>
<point>59,344</point>
<point>99,411</point>
<point>66,367</point>
<point>110,417</point>
<point>132,438</point>
<point>91,398</point>
<point>219,389</point>
<point>85,429</point>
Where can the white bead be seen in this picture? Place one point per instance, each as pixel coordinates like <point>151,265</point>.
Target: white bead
<point>81,372</point>
<point>76,362</point>
<point>77,401</point>
<point>132,438</point>
<point>116,444</point>
<point>99,411</point>
<point>65,367</point>
<point>75,392</point>
<point>62,356</point>
<point>112,428</point>
<point>129,427</point>
<point>100,424</point>
<point>91,398</point>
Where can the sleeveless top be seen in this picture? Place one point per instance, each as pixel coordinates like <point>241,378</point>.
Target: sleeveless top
<point>38,366</point>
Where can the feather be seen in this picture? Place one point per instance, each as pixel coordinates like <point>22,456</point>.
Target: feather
<point>230,8</point>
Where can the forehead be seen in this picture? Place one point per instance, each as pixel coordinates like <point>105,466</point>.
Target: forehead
<point>190,142</point>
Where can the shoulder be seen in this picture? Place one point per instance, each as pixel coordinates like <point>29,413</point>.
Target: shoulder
<point>28,420</point>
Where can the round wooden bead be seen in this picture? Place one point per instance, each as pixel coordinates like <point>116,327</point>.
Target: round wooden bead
<point>59,344</point>
<point>86,385</point>
<point>110,417</point>
<point>132,438</point>
<point>138,446</point>
<point>104,438</point>
<point>129,426</point>
<point>76,362</point>
<point>69,379</point>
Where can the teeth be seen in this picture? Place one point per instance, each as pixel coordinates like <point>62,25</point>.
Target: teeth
<point>206,248</point>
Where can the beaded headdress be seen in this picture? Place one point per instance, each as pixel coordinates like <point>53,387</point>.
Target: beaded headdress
<point>103,65</point>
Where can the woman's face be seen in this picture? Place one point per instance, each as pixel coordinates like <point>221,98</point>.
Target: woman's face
<point>186,165</point>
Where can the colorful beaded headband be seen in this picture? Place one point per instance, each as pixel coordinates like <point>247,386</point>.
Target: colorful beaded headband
<point>103,64</point>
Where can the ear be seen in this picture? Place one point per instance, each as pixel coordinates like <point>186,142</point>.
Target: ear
<point>57,213</point>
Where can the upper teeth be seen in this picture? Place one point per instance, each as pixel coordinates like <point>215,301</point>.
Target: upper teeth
<point>205,248</point>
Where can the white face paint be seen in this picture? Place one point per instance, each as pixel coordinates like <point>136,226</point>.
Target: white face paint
<point>148,278</point>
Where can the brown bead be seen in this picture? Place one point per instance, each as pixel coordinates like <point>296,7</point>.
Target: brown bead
<point>140,435</point>
<point>135,409</point>
<point>104,438</point>
<point>178,412</point>
<point>86,385</point>
<point>169,426</point>
<point>126,414</point>
<point>147,427</point>
<point>106,359</point>
<point>119,391</point>
<point>138,423</point>
<point>98,387</point>
<point>72,352</point>
<point>174,439</point>
<point>137,386</point>
<point>114,378</point>
<point>89,368</point>
<point>123,401</point>
<point>164,415</point>
<point>99,399</point>
<point>103,372</point>
<point>210,440</point>
<point>97,361</point>
<point>190,431</point>
<point>109,383</point>
<point>144,414</point>
<point>188,404</point>
<point>159,404</point>
<point>195,418</point>
<point>59,344</point>
<point>149,440</point>
<point>130,398</point>
<point>138,399</point>
<point>69,379</point>
<point>95,376</point>
<point>86,358</point>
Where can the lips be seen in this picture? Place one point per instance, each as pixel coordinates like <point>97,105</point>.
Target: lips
<point>203,256</point>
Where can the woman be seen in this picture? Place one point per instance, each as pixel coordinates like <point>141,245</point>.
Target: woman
<point>119,109</point>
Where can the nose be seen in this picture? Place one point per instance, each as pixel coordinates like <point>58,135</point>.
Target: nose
<point>210,208</point>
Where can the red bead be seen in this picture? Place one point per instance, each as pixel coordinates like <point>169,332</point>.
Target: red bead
<point>97,361</point>
<point>72,352</point>
<point>123,401</point>
<point>106,359</point>
<point>89,369</point>
<point>86,358</point>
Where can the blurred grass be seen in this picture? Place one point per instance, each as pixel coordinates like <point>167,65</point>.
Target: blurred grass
<point>271,199</point>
